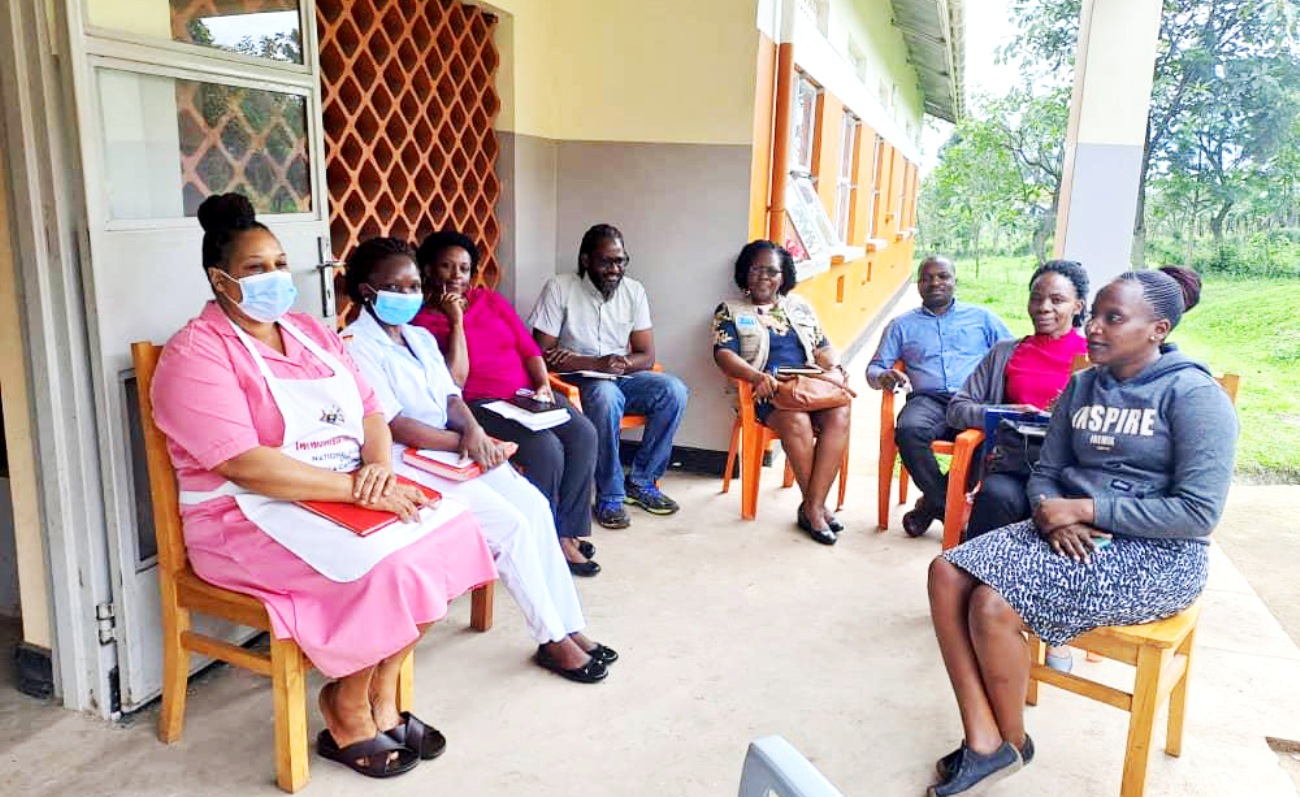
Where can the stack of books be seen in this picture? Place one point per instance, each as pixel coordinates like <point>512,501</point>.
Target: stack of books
<point>449,464</point>
<point>530,413</point>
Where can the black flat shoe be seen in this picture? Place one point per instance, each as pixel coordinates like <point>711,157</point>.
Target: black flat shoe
<point>834,525</point>
<point>950,763</point>
<point>587,568</point>
<point>586,549</point>
<point>602,654</point>
<point>973,769</point>
<point>593,671</point>
<point>824,536</point>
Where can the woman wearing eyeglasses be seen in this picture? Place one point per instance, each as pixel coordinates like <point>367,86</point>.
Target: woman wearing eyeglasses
<point>770,329</point>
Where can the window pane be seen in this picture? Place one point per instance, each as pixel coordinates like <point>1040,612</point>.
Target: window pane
<point>848,146</point>
<point>260,28</point>
<point>170,143</point>
<point>803,121</point>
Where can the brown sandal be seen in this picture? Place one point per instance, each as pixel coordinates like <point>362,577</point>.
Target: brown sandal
<point>375,751</point>
<point>416,736</point>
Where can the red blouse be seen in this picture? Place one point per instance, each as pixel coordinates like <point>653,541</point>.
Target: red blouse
<point>1040,367</point>
<point>497,341</point>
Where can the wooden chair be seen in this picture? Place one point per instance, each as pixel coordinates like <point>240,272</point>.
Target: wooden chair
<point>1161,652</point>
<point>184,592</point>
<point>753,440</point>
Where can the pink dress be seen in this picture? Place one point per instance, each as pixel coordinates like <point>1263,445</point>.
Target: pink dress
<point>497,343</point>
<point>213,405</point>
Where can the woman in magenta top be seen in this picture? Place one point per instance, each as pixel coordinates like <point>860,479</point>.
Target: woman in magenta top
<point>492,356</point>
<point>262,407</point>
<point>1030,372</point>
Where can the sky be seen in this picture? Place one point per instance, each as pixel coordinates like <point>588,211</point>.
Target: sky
<point>988,27</point>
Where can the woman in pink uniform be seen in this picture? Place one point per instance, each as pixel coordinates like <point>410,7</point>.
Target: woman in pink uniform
<point>261,408</point>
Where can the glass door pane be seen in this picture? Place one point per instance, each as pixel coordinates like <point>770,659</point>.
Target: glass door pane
<point>270,29</point>
<point>169,143</point>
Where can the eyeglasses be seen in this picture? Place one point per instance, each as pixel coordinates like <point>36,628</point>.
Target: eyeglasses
<point>611,262</point>
<point>765,272</point>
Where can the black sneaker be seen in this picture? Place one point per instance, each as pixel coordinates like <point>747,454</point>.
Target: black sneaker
<point>650,499</point>
<point>974,769</point>
<point>948,764</point>
<point>611,515</point>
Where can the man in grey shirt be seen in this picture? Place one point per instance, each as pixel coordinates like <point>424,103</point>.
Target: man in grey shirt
<point>598,321</point>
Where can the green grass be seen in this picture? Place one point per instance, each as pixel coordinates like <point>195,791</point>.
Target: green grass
<point>1249,327</point>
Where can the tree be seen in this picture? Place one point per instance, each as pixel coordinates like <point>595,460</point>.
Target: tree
<point>1215,103</point>
<point>967,194</point>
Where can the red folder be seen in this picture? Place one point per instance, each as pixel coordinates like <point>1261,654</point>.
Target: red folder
<point>456,473</point>
<point>358,519</point>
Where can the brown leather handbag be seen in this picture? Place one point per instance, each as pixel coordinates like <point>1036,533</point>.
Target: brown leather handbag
<point>808,393</point>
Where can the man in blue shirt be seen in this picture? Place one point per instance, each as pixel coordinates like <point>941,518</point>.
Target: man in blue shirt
<point>940,343</point>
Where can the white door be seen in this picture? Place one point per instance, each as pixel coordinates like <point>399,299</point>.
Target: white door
<point>176,101</point>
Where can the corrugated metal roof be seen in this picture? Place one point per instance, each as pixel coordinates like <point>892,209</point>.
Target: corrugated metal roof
<point>933,30</point>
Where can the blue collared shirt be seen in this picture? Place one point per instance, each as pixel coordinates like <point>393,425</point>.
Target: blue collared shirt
<point>938,351</point>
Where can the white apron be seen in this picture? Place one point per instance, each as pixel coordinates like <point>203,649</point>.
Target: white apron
<point>323,428</point>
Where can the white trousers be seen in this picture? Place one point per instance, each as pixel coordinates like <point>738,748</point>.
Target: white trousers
<point>520,531</point>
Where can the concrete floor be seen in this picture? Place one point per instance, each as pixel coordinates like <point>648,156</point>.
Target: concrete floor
<point>729,631</point>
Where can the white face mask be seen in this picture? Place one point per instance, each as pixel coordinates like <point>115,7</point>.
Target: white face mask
<point>267,296</point>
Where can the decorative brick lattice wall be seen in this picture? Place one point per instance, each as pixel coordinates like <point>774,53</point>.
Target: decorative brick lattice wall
<point>244,140</point>
<point>409,105</point>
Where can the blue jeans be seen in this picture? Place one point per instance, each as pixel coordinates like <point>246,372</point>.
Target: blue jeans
<point>661,398</point>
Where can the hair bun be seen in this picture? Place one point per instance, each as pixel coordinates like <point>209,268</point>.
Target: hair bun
<point>1188,281</point>
<point>226,212</point>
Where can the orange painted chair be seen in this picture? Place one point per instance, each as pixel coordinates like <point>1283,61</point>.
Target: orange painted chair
<point>752,440</point>
<point>571,392</point>
<point>962,451</point>
<point>1161,652</point>
<point>183,593</point>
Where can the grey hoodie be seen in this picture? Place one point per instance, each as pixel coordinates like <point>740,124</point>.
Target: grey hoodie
<point>1154,452</point>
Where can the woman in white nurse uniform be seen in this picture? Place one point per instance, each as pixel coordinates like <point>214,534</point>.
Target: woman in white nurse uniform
<point>262,407</point>
<point>425,411</point>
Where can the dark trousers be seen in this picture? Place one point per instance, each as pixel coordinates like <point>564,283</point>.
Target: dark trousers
<point>922,421</point>
<point>1000,502</point>
<point>560,461</point>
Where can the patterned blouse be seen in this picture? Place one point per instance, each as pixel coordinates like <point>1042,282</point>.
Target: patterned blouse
<point>785,348</point>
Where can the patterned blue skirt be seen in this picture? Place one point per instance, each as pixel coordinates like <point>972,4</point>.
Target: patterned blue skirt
<point>1133,580</point>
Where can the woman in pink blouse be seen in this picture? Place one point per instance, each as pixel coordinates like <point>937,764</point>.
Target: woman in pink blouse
<point>262,407</point>
<point>1030,372</point>
<point>492,356</point>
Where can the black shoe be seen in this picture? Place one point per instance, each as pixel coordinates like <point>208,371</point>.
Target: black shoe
<point>604,655</point>
<point>611,515</point>
<point>834,525</point>
<point>824,536</point>
<point>917,521</point>
<point>586,549</point>
<point>593,671</point>
<point>587,569</point>
<point>974,769</point>
<point>948,764</point>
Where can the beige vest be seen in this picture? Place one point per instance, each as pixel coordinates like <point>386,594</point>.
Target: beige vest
<point>755,343</point>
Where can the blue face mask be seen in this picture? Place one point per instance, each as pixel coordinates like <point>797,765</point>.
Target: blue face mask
<point>267,296</point>
<point>395,308</point>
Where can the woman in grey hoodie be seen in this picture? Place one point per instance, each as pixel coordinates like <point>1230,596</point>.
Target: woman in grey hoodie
<point>1131,481</point>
